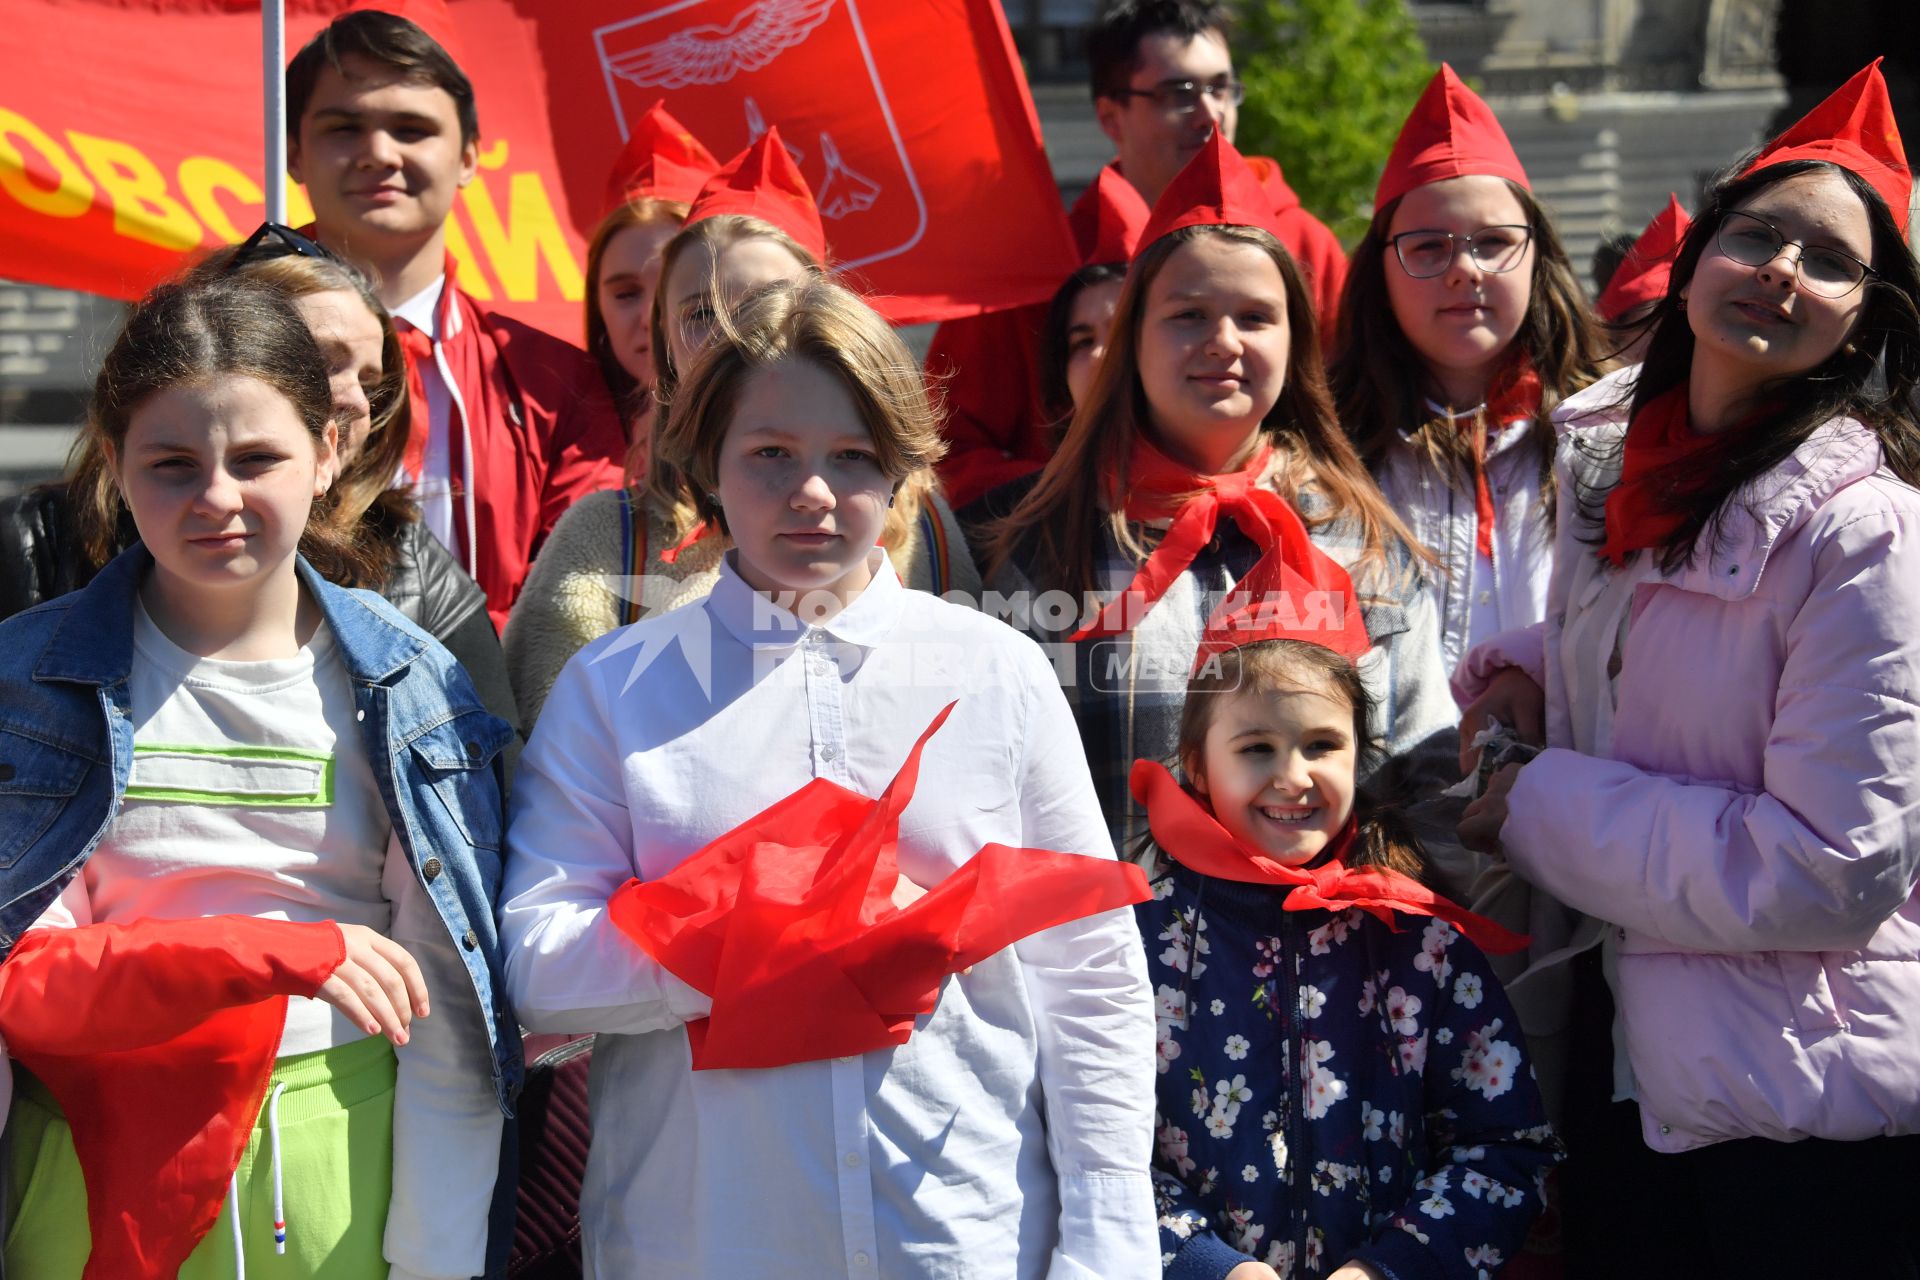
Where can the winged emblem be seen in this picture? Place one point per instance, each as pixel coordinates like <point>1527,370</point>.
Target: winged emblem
<point>713,54</point>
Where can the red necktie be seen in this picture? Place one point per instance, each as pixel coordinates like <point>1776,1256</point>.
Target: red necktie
<point>1513,398</point>
<point>418,346</point>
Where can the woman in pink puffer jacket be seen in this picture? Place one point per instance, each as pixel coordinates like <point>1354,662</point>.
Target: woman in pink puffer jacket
<point>1728,683</point>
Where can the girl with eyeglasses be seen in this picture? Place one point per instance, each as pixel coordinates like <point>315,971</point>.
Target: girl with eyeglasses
<point>1461,327</point>
<point>1726,675</point>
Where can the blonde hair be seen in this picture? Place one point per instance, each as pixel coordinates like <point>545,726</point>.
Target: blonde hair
<point>816,320</point>
<point>665,482</point>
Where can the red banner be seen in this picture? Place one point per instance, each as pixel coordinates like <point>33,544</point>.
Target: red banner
<point>130,135</point>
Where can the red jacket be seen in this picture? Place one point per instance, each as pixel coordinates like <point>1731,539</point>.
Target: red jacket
<point>990,364</point>
<point>542,431</point>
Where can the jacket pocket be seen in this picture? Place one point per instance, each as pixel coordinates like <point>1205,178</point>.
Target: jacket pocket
<point>457,759</point>
<point>37,781</point>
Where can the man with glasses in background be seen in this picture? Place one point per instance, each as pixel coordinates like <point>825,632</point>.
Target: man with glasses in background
<point>1162,81</point>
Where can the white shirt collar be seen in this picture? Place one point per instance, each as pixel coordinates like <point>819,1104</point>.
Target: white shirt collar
<point>422,310</point>
<point>759,623</point>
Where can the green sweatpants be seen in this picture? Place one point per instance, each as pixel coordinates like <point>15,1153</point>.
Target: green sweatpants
<point>336,1161</point>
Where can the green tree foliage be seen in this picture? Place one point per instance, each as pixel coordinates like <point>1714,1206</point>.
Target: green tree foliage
<point>1328,84</point>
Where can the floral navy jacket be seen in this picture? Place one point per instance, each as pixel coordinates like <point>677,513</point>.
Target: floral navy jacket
<point>1332,1090</point>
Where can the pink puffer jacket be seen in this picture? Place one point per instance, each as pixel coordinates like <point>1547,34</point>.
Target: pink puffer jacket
<point>1755,837</point>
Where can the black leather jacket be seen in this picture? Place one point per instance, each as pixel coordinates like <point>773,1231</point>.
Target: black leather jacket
<point>40,559</point>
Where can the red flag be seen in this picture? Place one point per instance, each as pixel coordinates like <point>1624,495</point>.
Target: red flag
<point>130,137</point>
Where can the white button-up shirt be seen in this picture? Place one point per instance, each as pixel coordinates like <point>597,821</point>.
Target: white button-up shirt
<point>1010,1137</point>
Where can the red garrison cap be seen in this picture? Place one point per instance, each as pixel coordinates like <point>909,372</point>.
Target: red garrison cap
<point>430,16</point>
<point>1215,189</point>
<point>662,159</point>
<point>1854,129</point>
<point>1643,274</point>
<point>763,182</point>
<point>1450,133</point>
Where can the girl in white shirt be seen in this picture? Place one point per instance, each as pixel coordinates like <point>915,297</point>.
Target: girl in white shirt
<point>1009,1136</point>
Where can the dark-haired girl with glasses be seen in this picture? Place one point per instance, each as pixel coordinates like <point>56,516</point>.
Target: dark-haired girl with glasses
<point>1462,325</point>
<point>1727,677</point>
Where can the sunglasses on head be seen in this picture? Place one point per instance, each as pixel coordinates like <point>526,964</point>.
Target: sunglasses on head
<point>272,241</point>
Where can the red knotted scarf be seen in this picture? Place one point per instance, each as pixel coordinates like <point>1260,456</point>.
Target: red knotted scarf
<point>1193,837</point>
<point>1159,487</point>
<point>788,923</point>
<point>1640,510</point>
<point>158,1037</point>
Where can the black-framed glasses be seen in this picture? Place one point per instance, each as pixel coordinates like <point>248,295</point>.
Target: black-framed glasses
<point>1182,97</point>
<point>1425,254</point>
<point>272,241</point>
<point>1824,272</point>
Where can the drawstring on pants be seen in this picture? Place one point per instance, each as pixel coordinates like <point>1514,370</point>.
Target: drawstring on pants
<point>279,1198</point>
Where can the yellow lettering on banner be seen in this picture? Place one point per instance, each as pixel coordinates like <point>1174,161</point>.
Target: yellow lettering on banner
<point>516,255</point>
<point>72,192</point>
<point>202,178</point>
<point>466,268</point>
<point>143,208</point>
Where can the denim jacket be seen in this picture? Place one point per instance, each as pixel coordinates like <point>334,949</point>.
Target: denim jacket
<point>66,749</point>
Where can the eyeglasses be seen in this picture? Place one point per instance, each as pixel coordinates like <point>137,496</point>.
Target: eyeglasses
<point>1425,254</point>
<point>275,241</point>
<point>1823,272</point>
<point>1182,97</point>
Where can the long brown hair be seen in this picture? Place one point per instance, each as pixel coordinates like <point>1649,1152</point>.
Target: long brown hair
<point>194,330</point>
<point>816,320</point>
<point>665,482</point>
<point>1383,837</point>
<point>1873,377</point>
<point>1062,516</point>
<point>634,400</point>
<point>1381,384</point>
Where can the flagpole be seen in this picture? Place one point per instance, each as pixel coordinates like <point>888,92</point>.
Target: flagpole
<point>273,54</point>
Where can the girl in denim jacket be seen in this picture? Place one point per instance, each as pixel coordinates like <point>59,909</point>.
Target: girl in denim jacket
<point>252,825</point>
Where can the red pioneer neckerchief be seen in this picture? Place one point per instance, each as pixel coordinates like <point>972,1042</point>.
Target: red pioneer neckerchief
<point>788,923</point>
<point>1193,837</point>
<point>1641,510</point>
<point>158,1038</point>
<point>1159,488</point>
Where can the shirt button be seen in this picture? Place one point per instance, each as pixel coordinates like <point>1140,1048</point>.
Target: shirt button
<point>853,1159</point>
<point>1666,1128</point>
<point>360,715</point>
<point>430,869</point>
<point>1486,597</point>
<point>861,1259</point>
<point>828,753</point>
<point>471,940</point>
<point>473,751</point>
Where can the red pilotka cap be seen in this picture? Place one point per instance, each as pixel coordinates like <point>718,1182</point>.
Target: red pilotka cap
<point>1853,128</point>
<point>1119,214</point>
<point>662,160</point>
<point>430,16</point>
<point>1643,275</point>
<point>1294,592</point>
<point>1215,189</point>
<point>763,182</point>
<point>1450,133</point>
